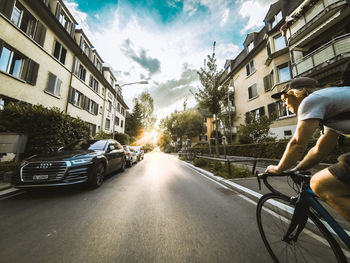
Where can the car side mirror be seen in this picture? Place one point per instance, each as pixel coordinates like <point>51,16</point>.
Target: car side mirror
<point>110,148</point>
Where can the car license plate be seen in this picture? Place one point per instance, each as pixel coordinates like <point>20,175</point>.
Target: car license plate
<point>40,177</point>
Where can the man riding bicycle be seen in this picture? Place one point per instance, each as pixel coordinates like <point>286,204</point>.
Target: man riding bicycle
<point>328,108</point>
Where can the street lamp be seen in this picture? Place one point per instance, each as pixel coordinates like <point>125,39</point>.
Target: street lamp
<point>131,83</point>
<point>120,86</point>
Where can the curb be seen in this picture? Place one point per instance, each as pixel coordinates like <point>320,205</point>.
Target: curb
<point>8,191</point>
<point>236,187</point>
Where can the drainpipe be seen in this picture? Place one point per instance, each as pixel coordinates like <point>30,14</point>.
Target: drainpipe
<point>70,83</point>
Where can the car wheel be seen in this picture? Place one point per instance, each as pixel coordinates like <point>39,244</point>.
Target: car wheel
<point>98,175</point>
<point>122,168</point>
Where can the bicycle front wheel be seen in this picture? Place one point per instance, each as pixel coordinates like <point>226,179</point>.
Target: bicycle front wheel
<point>314,244</point>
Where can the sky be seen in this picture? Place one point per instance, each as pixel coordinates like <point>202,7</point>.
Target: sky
<point>165,42</point>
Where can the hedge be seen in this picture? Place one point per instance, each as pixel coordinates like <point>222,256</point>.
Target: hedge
<point>271,150</point>
<point>47,129</point>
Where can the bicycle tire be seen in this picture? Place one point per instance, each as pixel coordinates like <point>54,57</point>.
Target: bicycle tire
<point>314,244</point>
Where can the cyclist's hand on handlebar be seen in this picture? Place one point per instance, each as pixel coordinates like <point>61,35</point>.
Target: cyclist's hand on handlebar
<point>273,169</point>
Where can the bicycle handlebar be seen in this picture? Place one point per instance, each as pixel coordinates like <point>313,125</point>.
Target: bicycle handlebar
<point>297,176</point>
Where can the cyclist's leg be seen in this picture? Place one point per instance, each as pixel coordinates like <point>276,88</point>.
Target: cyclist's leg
<point>333,185</point>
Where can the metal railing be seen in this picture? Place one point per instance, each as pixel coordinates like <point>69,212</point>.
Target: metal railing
<point>334,48</point>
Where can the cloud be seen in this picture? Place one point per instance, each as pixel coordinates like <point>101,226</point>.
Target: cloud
<point>152,65</point>
<point>171,91</point>
<point>254,11</point>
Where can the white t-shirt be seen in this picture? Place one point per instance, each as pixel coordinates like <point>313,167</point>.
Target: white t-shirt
<point>325,104</point>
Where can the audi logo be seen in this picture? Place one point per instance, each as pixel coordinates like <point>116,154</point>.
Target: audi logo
<point>44,165</point>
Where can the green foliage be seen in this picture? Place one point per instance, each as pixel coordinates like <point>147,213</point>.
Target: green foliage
<point>120,137</point>
<point>212,93</point>
<point>148,147</point>
<point>146,105</point>
<point>47,129</point>
<point>133,122</point>
<point>185,123</point>
<point>221,169</point>
<point>255,131</point>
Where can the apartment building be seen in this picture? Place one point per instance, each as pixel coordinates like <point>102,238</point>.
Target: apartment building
<point>318,33</point>
<point>45,60</point>
<point>259,70</point>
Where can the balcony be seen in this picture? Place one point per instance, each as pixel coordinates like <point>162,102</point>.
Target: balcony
<point>312,18</point>
<point>328,53</point>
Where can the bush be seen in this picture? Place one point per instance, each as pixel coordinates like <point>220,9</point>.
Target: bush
<point>47,129</point>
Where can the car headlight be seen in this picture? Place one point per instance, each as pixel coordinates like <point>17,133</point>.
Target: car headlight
<point>81,161</point>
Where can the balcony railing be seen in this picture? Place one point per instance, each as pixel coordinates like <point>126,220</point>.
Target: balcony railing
<point>320,9</point>
<point>336,47</point>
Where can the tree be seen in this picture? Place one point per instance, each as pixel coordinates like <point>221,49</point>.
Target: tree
<point>256,130</point>
<point>133,122</point>
<point>146,105</point>
<point>212,92</point>
<point>183,124</point>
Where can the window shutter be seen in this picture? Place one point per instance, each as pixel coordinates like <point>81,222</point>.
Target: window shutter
<point>96,109</point>
<point>71,95</point>
<point>40,34</point>
<point>6,7</point>
<point>51,83</point>
<point>262,111</point>
<point>32,72</point>
<point>266,83</point>
<point>250,95</point>
<point>63,55</point>
<point>86,102</point>
<point>58,87</point>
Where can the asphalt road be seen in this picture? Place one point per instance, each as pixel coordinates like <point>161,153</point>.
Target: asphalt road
<point>157,211</point>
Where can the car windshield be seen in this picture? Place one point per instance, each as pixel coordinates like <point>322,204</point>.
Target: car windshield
<point>85,145</point>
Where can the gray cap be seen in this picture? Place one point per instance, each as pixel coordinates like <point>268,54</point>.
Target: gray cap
<point>298,83</point>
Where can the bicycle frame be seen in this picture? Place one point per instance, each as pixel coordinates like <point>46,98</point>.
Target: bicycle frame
<point>309,197</point>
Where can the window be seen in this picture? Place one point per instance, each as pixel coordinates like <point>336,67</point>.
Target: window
<point>92,128</point>
<point>2,104</point>
<point>60,52</point>
<point>93,84</point>
<point>80,71</point>
<point>97,63</point>
<point>278,109</point>
<point>255,114</point>
<point>252,91</point>
<point>109,106</point>
<point>116,121</point>
<point>122,111</point>
<point>76,98</point>
<point>18,65</point>
<point>118,107</point>
<point>283,73</point>
<point>11,62</point>
<point>54,85</point>
<point>250,47</point>
<point>283,111</point>
<point>277,18</point>
<point>107,124</point>
<point>279,42</point>
<point>287,133</point>
<point>121,123</point>
<point>85,47</point>
<point>250,68</point>
<point>16,16</point>
<point>63,19</point>
<point>111,80</point>
<point>91,106</point>
<point>268,81</point>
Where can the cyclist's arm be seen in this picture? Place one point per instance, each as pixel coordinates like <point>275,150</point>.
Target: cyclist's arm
<point>296,146</point>
<point>323,147</point>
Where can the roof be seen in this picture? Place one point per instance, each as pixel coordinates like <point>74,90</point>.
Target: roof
<point>258,38</point>
<point>273,10</point>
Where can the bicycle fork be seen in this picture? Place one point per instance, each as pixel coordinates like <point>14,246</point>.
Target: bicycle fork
<point>298,221</point>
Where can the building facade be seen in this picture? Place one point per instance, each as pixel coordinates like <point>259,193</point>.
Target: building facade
<point>45,60</point>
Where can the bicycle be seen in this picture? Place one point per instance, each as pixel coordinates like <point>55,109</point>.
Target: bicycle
<point>298,228</point>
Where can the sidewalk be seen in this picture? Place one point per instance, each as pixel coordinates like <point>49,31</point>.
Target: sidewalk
<point>249,187</point>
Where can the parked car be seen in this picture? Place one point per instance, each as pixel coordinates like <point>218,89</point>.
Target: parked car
<point>83,161</point>
<point>139,152</point>
<point>131,156</point>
